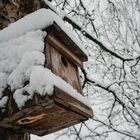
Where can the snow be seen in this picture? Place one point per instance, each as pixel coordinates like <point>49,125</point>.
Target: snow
<point>42,81</point>
<point>17,57</point>
<point>30,22</point>
<point>22,60</point>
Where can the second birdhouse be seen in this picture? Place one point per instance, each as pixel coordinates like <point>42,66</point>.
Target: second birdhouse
<point>63,104</point>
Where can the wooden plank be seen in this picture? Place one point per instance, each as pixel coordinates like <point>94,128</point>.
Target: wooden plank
<point>13,120</point>
<point>47,52</point>
<point>2,130</point>
<point>43,132</point>
<point>79,81</point>
<point>54,42</point>
<point>65,69</point>
<point>56,30</point>
<point>52,123</point>
<point>72,103</point>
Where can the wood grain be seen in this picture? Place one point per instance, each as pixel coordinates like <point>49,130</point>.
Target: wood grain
<point>52,40</point>
<point>56,31</point>
<point>42,115</point>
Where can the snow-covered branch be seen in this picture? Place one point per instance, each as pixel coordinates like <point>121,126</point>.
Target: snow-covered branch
<point>87,34</point>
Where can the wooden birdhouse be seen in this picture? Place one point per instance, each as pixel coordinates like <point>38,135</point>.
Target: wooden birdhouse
<point>42,115</point>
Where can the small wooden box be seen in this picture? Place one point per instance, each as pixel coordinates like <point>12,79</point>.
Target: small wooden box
<point>46,114</point>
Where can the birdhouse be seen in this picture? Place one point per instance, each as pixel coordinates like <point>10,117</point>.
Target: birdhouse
<point>46,114</point>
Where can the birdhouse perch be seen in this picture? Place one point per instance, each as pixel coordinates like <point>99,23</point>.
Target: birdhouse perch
<point>44,114</point>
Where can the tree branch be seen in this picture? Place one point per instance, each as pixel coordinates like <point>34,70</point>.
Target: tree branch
<point>88,35</point>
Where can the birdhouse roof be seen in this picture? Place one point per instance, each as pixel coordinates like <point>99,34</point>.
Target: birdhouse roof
<point>48,20</point>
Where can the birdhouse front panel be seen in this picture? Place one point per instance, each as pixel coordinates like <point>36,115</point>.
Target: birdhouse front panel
<point>61,64</point>
<point>40,90</point>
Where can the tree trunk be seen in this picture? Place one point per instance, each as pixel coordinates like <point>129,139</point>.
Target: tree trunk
<point>11,135</point>
<point>12,10</point>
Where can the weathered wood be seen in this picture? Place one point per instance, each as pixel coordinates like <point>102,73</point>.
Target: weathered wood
<point>12,10</point>
<point>63,50</point>
<point>42,115</point>
<point>57,117</point>
<point>56,31</point>
<point>34,107</point>
<point>10,106</point>
<point>9,134</point>
<point>62,67</point>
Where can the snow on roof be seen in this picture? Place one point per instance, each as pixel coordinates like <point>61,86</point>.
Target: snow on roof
<point>22,60</point>
<point>40,19</point>
<point>42,81</point>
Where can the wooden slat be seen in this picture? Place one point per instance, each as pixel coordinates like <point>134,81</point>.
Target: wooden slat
<point>47,53</point>
<point>60,127</point>
<point>13,120</point>
<point>66,70</point>
<point>51,123</point>
<point>56,30</point>
<point>63,49</point>
<point>72,103</point>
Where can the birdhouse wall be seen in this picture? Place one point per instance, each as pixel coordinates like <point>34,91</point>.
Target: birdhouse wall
<point>62,62</point>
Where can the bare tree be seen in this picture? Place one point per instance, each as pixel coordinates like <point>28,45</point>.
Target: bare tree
<point>111,33</point>
<point>110,30</point>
